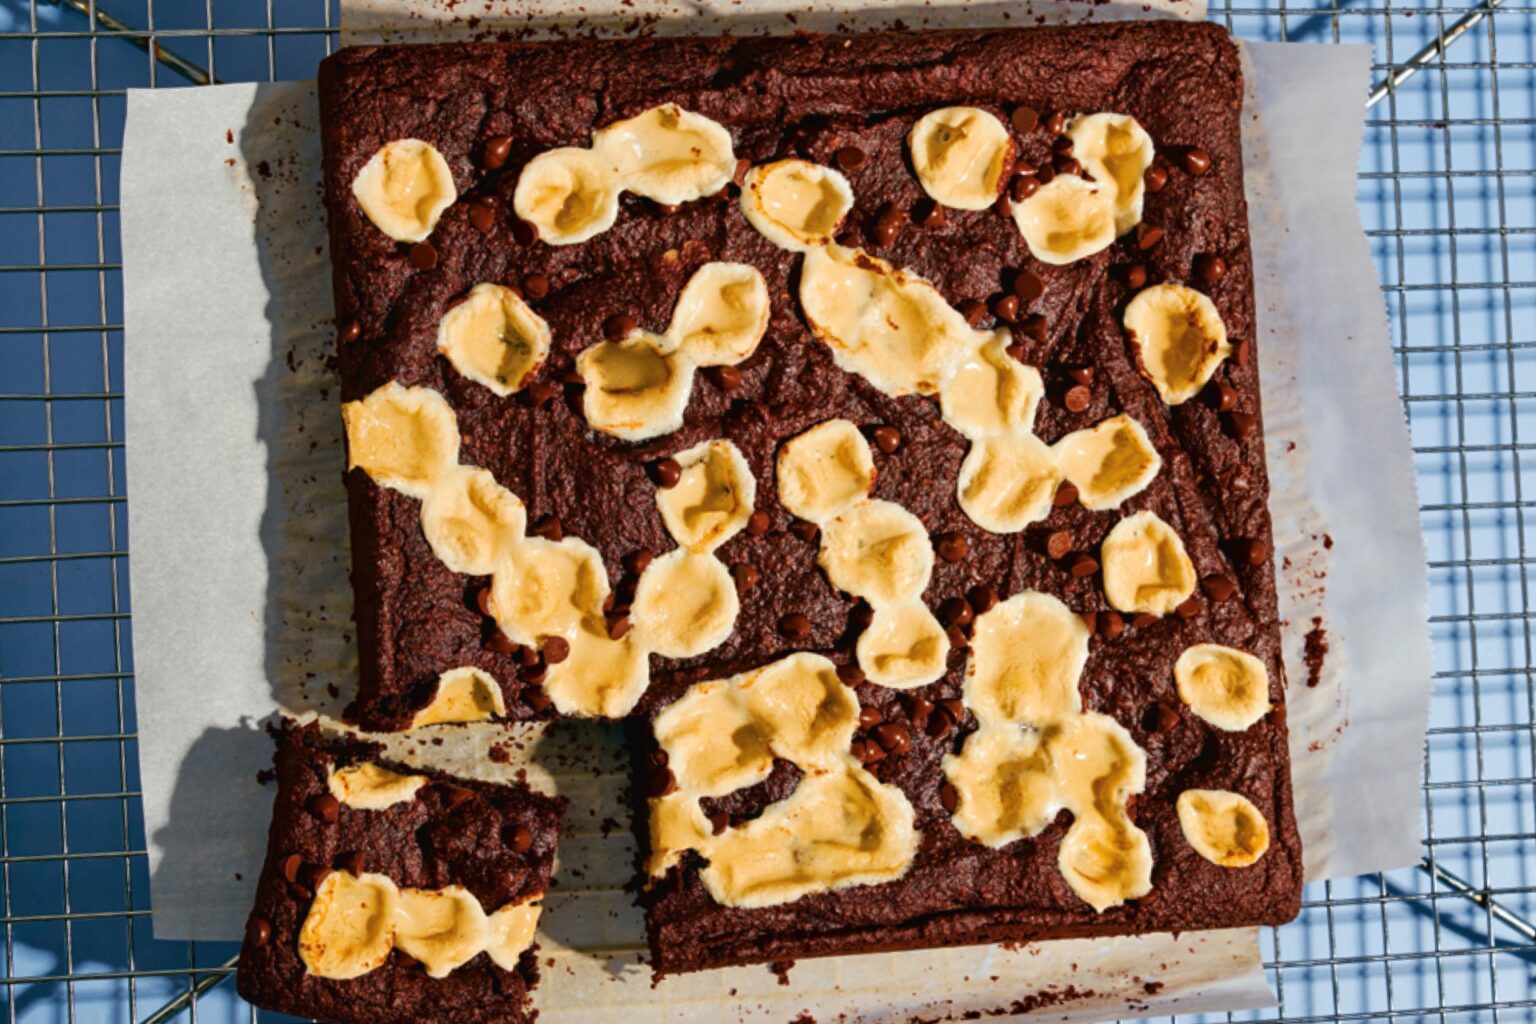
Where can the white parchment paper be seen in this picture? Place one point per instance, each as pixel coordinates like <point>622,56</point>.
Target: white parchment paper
<point>242,604</point>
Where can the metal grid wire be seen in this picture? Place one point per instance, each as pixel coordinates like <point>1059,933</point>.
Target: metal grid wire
<point>1447,190</point>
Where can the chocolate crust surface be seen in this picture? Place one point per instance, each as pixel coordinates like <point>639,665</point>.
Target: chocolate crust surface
<point>454,832</point>
<point>810,97</point>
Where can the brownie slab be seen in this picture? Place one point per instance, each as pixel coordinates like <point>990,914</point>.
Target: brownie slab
<point>404,845</point>
<point>847,103</point>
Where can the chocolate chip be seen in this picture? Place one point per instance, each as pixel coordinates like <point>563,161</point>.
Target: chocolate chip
<point>1058,543</point>
<point>258,932</point>
<point>1077,398</point>
<point>495,152</point>
<point>524,233</point>
<point>1188,608</point>
<point>974,311</point>
<point>918,710</point>
<point>556,649</point>
<point>1195,160</point>
<point>522,839</point>
<point>1034,328</point>
<point>952,547</point>
<point>860,617</point>
<point>533,675</point>
<point>1143,620</point>
<point>619,326</point>
<point>794,627</point>
<point>887,439</point>
<point>982,598</point>
<point>1016,352</point>
<point>540,393</point>
<point>956,611</point>
<point>869,717</point>
<point>1218,588</point>
<point>1065,495</point>
<point>661,782</point>
<point>423,256</point>
<point>888,224</point>
<point>618,627</point>
<point>1062,145</point>
<point>292,866</point>
<point>1111,625</point>
<point>1147,236</point>
<point>1045,173</point>
<point>351,862</point>
<point>929,214</point>
<point>352,330</point>
<point>805,530</point>
<point>1067,165</point>
<point>1083,566</point>
<point>500,642</point>
<point>482,213</point>
<point>1210,268</point>
<point>739,173</point>
<point>1022,186</point>
<point>483,600</point>
<point>456,796</point>
<point>1134,275</point>
<point>314,874</point>
<point>325,807</point>
<point>957,637</point>
<point>954,708</point>
<point>1250,550</point>
<point>668,209</point>
<point>850,159</point>
<point>536,286</point>
<point>1028,286</point>
<point>1025,119</point>
<point>636,562</point>
<point>1055,121</point>
<point>668,472</point>
<point>1155,178</point>
<point>1243,425</point>
<point>527,656</point>
<point>536,699</point>
<point>1006,308</point>
<point>757,523</point>
<point>746,576</point>
<point>549,528</point>
<point>1160,718</point>
<point>894,738</point>
<point>867,751</point>
<point>938,726</point>
<point>1242,353</point>
<point>727,377</point>
<point>1223,396</point>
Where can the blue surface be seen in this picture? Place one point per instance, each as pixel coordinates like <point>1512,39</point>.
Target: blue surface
<point>1447,192</point>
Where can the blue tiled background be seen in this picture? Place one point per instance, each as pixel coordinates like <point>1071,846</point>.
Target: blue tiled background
<point>1447,192</point>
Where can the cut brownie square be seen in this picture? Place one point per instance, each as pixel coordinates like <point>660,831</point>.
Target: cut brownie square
<point>394,894</point>
<point>907,379</point>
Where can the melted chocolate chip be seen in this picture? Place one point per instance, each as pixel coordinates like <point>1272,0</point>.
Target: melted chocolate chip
<point>746,576</point>
<point>1025,119</point>
<point>325,807</point>
<point>536,286</point>
<point>952,547</point>
<point>423,256</point>
<point>1218,587</point>
<point>794,627</point>
<point>1195,160</point>
<point>619,326</point>
<point>850,159</point>
<point>1083,565</point>
<point>668,472</point>
<point>494,153</point>
<point>887,439</point>
<point>982,598</point>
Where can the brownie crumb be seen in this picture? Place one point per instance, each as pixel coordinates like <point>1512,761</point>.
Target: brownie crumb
<point>1316,651</point>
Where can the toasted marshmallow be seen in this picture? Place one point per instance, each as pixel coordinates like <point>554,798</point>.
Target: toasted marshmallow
<point>601,677</point>
<point>1180,338</point>
<point>879,551</point>
<point>404,438</point>
<point>1104,857</point>
<point>1109,462</point>
<point>548,589</point>
<point>370,787</point>
<point>883,323</point>
<point>795,204</point>
<point>1066,220</point>
<point>904,646</point>
<point>1116,151</point>
<point>685,604</point>
<point>511,930</point>
<point>668,154</point>
<point>1026,657</point>
<point>471,521</point>
<point>1224,686</point>
<point>443,928</point>
<point>1146,568</point>
<point>825,471</point>
<point>1007,482</point>
<point>350,927</point>
<point>960,155</point>
<point>637,388</point>
<point>404,188</point>
<point>712,499</point>
<point>494,338</point>
<point>1224,828</point>
<point>466,694</point>
<point>722,314</point>
<point>568,194</point>
<point>808,714</point>
<point>990,393</point>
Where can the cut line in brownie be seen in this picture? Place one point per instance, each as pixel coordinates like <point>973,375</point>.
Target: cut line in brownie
<point>1082,316</point>
<point>395,894</point>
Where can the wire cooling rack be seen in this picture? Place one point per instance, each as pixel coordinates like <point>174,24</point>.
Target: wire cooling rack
<point>1447,191</point>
